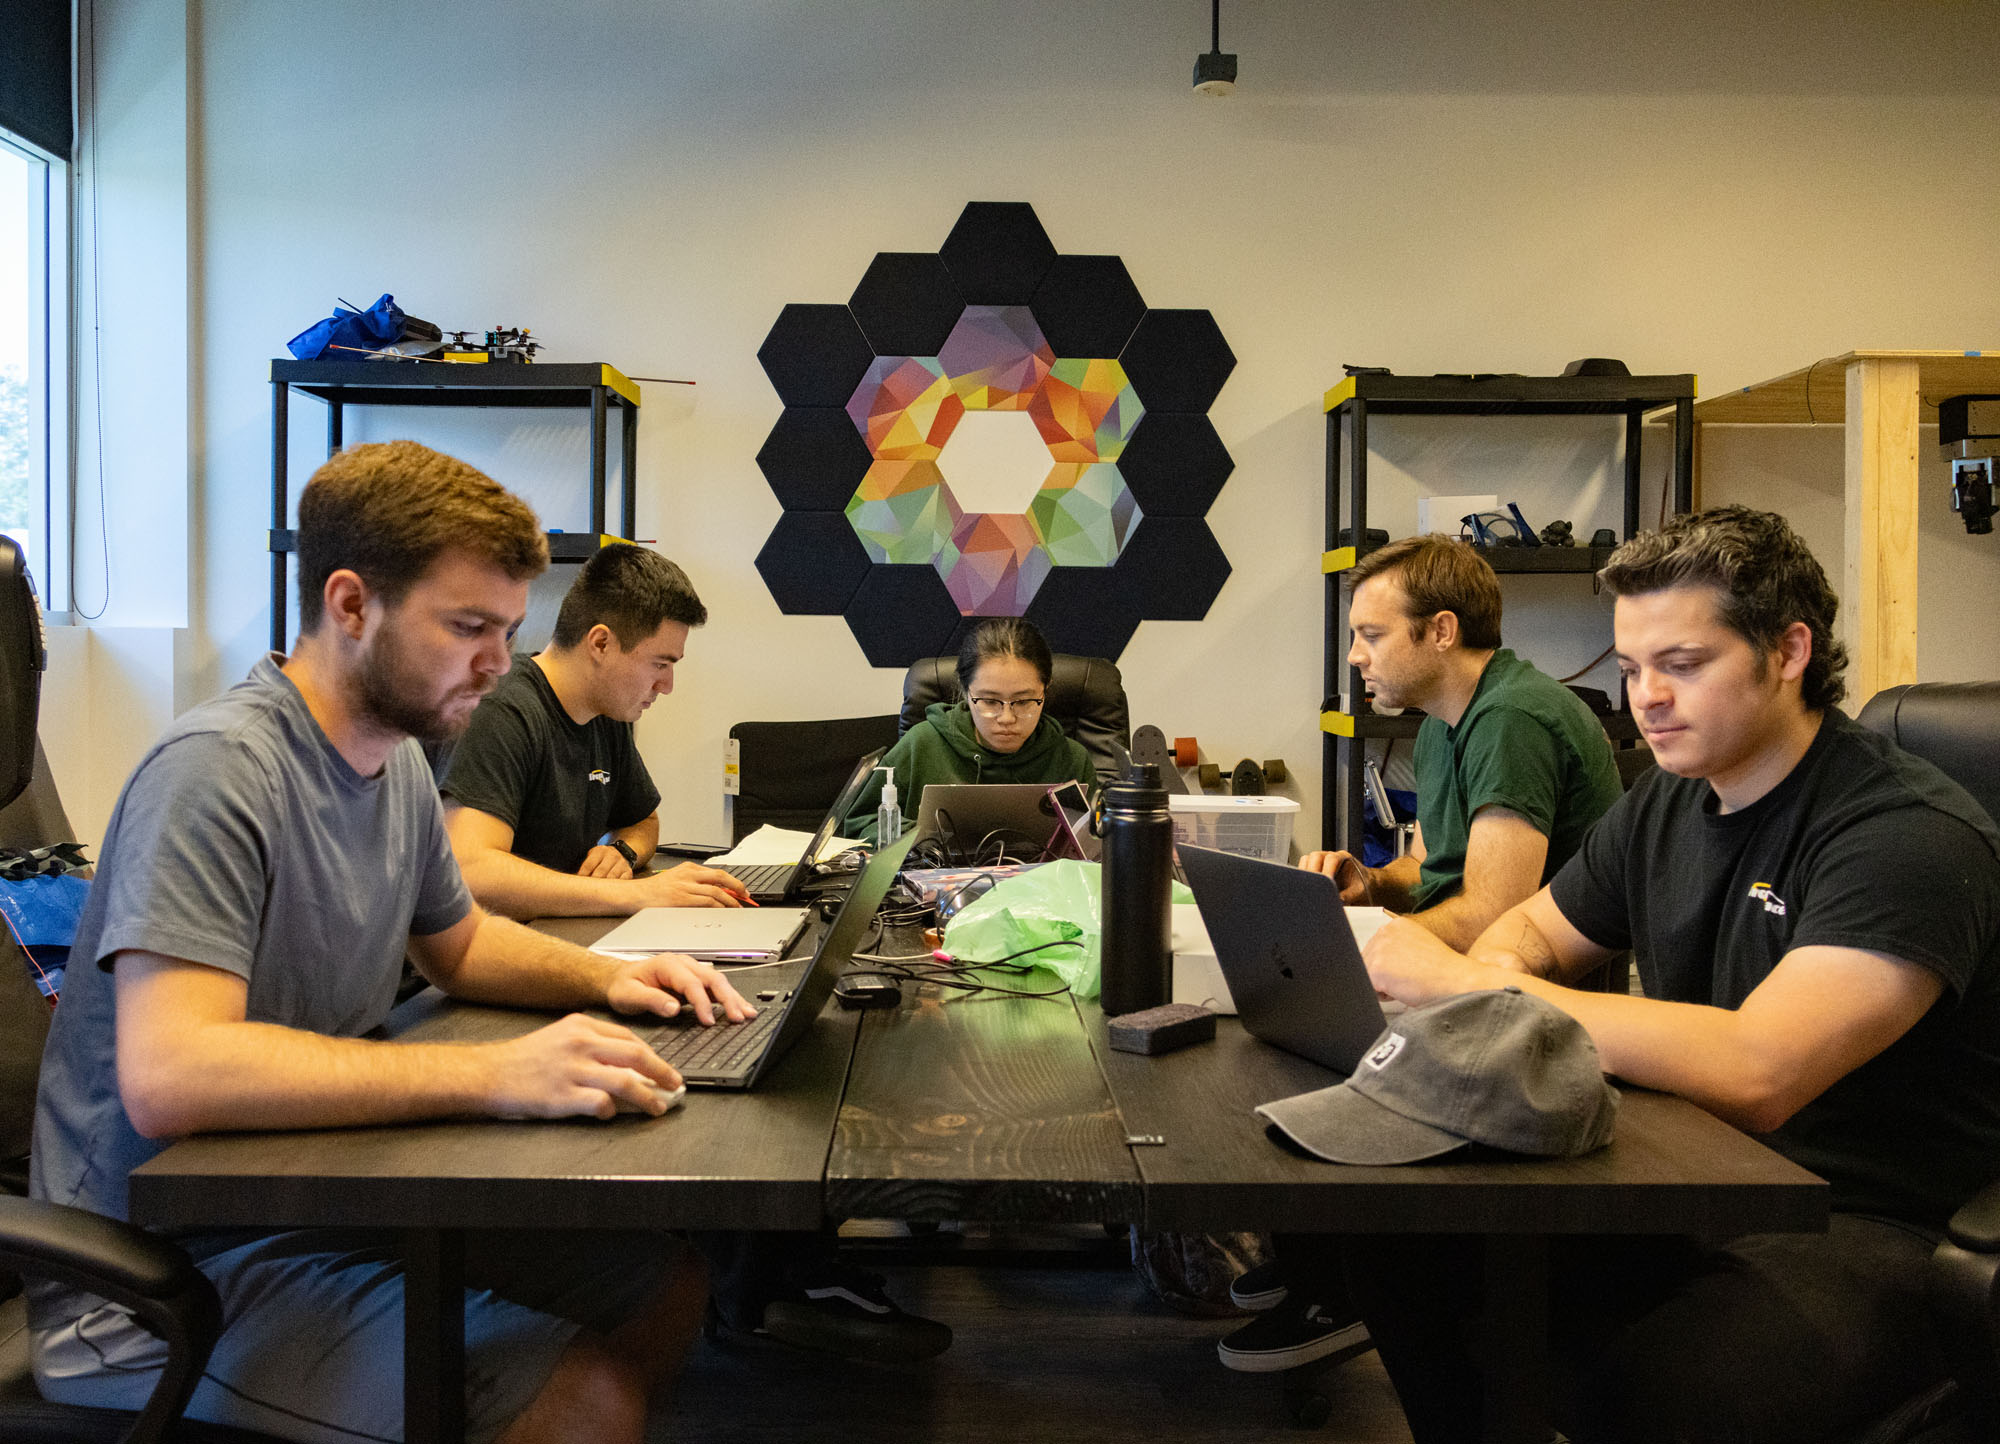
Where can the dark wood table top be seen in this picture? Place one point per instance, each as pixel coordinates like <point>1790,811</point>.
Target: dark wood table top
<point>1671,1169</point>
<point>953,1107</point>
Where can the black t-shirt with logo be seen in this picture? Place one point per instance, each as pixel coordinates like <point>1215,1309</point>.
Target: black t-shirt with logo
<point>560,786</point>
<point>1860,846</point>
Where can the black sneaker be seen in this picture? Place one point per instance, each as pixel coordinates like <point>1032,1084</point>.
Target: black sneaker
<point>1285,1338</point>
<point>842,1310</point>
<point>1259,1289</point>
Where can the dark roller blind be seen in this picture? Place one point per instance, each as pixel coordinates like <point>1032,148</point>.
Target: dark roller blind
<point>34,72</point>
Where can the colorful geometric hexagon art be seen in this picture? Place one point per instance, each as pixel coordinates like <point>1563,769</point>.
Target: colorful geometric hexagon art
<point>1082,518</point>
<point>903,512</point>
<point>997,565</point>
<point>905,407</point>
<point>1085,410</point>
<point>1083,514</point>
<point>996,358</point>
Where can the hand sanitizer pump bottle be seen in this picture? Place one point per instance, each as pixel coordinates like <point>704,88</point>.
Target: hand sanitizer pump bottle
<point>888,817</point>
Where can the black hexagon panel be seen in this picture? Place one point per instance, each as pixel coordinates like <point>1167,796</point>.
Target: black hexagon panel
<point>1107,523</point>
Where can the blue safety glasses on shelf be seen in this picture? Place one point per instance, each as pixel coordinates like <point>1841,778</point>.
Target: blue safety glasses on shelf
<point>1498,528</point>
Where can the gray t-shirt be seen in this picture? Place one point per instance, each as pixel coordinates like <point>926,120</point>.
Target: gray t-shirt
<point>243,841</point>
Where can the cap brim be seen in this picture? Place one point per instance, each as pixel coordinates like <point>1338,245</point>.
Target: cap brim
<point>1343,1126</point>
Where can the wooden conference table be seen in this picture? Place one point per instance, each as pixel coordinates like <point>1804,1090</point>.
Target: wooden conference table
<point>997,1109</point>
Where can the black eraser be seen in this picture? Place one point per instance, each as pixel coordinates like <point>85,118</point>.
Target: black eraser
<point>1161,1029</point>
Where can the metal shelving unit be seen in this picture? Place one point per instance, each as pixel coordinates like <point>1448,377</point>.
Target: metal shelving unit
<point>1348,406</point>
<point>341,384</point>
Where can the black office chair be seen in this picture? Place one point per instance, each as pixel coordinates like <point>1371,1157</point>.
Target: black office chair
<point>1086,696</point>
<point>1956,727</point>
<point>113,1260</point>
<point>789,773</point>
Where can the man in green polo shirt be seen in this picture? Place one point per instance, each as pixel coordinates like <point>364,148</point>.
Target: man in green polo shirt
<point>1512,771</point>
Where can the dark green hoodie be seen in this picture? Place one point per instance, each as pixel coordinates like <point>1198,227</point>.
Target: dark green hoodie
<point>945,747</point>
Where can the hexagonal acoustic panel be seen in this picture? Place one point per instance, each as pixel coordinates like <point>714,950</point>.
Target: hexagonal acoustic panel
<point>1086,524</point>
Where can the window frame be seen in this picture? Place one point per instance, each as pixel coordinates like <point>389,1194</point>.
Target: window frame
<point>51,380</point>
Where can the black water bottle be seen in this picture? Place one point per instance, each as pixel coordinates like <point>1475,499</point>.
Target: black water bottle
<point>1136,950</point>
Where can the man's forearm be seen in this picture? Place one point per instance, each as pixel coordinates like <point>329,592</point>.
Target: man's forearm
<point>1460,920</point>
<point>243,1075</point>
<point>1513,941</point>
<point>643,837</point>
<point>516,966</point>
<point>1394,885</point>
<point>512,885</point>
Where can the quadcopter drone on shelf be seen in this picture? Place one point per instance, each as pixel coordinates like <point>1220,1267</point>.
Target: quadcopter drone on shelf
<point>503,343</point>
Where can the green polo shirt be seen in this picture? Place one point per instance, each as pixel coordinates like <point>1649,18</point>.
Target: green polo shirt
<point>1525,743</point>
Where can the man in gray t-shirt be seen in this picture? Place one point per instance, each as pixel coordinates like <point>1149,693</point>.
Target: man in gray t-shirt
<point>267,867</point>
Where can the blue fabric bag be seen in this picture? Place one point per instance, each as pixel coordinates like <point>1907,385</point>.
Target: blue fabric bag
<point>41,901</point>
<point>368,330</point>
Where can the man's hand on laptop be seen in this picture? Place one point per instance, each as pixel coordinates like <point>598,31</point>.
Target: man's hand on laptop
<point>605,861</point>
<point>576,1065</point>
<point>1348,872</point>
<point>691,886</point>
<point>657,984</point>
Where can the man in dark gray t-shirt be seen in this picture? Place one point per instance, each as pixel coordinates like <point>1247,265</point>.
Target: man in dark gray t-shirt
<point>267,867</point>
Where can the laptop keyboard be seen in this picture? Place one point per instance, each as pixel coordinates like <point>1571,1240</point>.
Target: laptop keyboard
<point>765,879</point>
<point>723,1048</point>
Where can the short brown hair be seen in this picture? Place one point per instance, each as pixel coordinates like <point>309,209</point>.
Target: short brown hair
<point>632,591</point>
<point>1763,576</point>
<point>387,510</point>
<point>1439,574</point>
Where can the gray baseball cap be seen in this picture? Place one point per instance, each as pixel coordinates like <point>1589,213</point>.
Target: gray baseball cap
<point>1502,1068</point>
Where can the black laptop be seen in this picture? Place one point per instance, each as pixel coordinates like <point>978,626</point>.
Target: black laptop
<point>1287,951</point>
<point>778,882</point>
<point>736,1055</point>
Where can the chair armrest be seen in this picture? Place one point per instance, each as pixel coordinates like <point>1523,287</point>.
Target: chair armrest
<point>152,1277</point>
<point>90,1251</point>
<point>1976,1225</point>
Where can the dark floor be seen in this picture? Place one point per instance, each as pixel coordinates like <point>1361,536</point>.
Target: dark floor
<point>1042,1353</point>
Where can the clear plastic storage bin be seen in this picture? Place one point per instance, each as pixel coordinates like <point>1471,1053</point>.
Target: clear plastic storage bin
<point>1259,827</point>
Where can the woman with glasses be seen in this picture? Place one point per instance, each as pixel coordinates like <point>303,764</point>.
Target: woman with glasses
<point>995,732</point>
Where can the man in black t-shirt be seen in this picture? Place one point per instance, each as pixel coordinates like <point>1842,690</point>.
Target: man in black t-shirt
<point>1816,921</point>
<point>548,769</point>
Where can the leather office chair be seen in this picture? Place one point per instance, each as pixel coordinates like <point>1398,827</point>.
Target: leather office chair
<point>113,1260</point>
<point>788,773</point>
<point>1956,727</point>
<point>1086,696</point>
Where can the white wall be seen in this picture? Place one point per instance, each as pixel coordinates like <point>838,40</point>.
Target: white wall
<point>1729,189</point>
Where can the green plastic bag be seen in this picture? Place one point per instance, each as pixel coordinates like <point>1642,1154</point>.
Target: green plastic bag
<point>1058,902</point>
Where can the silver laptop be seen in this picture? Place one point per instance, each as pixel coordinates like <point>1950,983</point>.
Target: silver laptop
<point>1285,947</point>
<point>715,935</point>
<point>975,822</point>
<point>737,1055</point>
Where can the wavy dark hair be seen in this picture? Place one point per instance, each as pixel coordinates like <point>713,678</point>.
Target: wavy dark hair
<point>1763,576</point>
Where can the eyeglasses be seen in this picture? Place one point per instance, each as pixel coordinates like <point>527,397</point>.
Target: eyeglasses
<point>991,707</point>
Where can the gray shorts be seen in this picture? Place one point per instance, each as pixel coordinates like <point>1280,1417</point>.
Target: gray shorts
<point>312,1339</point>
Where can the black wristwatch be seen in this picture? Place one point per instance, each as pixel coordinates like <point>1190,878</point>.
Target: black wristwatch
<point>625,851</point>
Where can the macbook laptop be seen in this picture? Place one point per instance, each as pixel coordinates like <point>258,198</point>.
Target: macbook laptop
<point>770,882</point>
<point>973,821</point>
<point>737,1055</point>
<point>715,935</point>
<point>1287,951</point>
